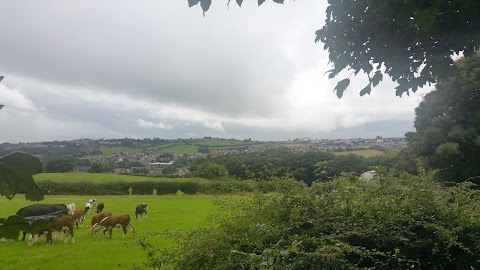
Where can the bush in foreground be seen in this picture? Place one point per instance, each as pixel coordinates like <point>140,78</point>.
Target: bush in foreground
<point>343,224</point>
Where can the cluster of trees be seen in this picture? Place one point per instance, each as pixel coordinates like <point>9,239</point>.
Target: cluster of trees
<point>302,166</point>
<point>447,123</point>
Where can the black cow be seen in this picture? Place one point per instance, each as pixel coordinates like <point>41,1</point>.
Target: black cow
<point>100,207</point>
<point>40,210</point>
<point>140,209</point>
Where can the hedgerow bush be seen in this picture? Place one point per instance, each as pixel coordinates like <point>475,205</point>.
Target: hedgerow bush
<point>412,223</point>
<point>118,188</point>
<point>162,188</point>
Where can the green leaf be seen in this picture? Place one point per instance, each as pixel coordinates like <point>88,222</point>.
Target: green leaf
<point>205,4</point>
<point>376,78</point>
<point>366,90</point>
<point>16,172</point>
<point>426,17</point>
<point>192,3</point>
<point>341,86</point>
<point>318,34</point>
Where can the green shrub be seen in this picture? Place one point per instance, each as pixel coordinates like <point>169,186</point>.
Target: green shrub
<point>342,224</point>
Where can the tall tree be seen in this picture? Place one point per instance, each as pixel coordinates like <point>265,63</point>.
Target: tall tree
<point>448,123</point>
<point>411,41</point>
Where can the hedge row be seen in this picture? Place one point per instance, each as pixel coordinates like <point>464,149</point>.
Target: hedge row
<point>162,188</point>
<point>117,188</point>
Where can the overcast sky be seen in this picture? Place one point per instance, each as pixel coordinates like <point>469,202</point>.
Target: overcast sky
<point>144,68</point>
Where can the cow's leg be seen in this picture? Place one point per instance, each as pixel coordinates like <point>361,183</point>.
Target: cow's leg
<point>65,231</point>
<point>146,216</point>
<point>132,229</point>
<point>24,234</point>
<point>124,228</point>
<point>110,231</point>
<point>70,227</point>
<point>49,237</point>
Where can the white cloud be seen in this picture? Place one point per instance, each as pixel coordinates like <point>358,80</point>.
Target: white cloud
<point>146,124</point>
<point>16,100</point>
<point>214,125</point>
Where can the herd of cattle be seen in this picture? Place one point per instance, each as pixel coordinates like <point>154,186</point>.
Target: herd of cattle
<point>66,216</point>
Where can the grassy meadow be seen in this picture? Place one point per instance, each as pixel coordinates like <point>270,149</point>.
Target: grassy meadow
<point>107,177</point>
<point>180,147</point>
<point>365,153</point>
<point>88,252</point>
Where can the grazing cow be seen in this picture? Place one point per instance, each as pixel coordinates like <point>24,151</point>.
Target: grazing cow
<point>78,217</point>
<point>71,208</point>
<point>42,209</point>
<point>108,223</point>
<point>63,221</point>
<point>100,207</point>
<point>140,209</point>
<point>97,218</point>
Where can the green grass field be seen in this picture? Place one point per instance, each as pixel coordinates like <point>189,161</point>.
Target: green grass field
<point>181,148</point>
<point>365,153</point>
<point>88,252</point>
<point>106,177</point>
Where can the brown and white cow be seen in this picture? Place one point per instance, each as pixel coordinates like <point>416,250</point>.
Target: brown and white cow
<point>97,218</point>
<point>108,223</point>
<point>64,221</point>
<point>78,217</point>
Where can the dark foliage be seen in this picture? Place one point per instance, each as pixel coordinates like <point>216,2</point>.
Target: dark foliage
<point>343,224</point>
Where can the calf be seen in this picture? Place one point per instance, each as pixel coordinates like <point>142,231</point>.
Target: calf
<point>62,222</point>
<point>140,209</point>
<point>100,207</point>
<point>92,201</point>
<point>40,210</point>
<point>78,217</point>
<point>88,207</point>
<point>108,223</point>
<point>97,218</point>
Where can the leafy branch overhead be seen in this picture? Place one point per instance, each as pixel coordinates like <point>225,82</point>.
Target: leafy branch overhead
<point>205,4</point>
<point>411,41</point>
<point>16,172</point>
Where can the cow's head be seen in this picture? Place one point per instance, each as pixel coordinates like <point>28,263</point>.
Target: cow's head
<point>33,239</point>
<point>97,227</point>
<point>145,206</point>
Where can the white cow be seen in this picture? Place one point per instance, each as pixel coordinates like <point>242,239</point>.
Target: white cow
<point>369,176</point>
<point>89,205</point>
<point>71,208</point>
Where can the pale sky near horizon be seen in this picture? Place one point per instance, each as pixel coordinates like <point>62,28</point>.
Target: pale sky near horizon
<point>143,69</point>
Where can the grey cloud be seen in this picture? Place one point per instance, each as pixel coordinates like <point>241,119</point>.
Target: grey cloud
<point>231,62</point>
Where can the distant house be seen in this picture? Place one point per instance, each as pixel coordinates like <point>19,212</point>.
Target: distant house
<point>182,171</point>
